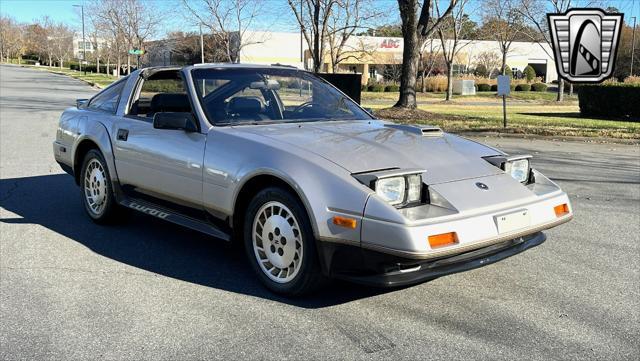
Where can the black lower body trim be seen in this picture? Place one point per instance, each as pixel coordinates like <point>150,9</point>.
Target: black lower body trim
<point>379,269</point>
<point>66,168</point>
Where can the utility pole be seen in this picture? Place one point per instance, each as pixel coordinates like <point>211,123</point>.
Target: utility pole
<point>201,45</point>
<point>84,42</point>
<point>633,44</point>
<point>301,35</point>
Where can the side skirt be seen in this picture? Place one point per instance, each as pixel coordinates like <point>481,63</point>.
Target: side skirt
<point>174,217</point>
<point>171,215</point>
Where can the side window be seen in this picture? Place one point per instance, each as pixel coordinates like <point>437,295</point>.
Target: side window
<point>162,92</point>
<point>107,100</point>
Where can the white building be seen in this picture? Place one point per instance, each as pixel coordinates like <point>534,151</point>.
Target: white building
<point>369,55</point>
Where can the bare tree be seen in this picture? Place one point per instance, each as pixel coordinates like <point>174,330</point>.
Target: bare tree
<point>429,55</point>
<point>348,17</point>
<point>107,18</point>
<point>62,42</point>
<point>133,21</point>
<point>535,13</point>
<point>414,29</point>
<point>228,21</point>
<point>489,60</point>
<point>313,16</point>
<point>47,25</point>
<point>11,40</point>
<point>504,24</point>
<point>449,33</point>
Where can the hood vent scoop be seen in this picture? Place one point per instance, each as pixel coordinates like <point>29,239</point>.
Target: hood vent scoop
<point>423,130</point>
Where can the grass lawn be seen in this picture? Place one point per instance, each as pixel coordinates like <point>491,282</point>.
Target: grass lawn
<point>556,120</point>
<point>489,97</point>
<point>99,80</point>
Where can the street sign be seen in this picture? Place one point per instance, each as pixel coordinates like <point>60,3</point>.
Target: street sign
<point>504,88</point>
<point>504,82</point>
<point>136,52</point>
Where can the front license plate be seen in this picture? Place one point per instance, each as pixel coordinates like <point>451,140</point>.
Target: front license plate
<point>513,221</point>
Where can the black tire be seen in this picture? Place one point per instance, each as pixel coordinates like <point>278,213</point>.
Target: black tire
<point>108,213</point>
<point>309,276</point>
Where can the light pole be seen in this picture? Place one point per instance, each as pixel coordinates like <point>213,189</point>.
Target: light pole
<point>84,42</point>
<point>201,45</point>
<point>633,44</point>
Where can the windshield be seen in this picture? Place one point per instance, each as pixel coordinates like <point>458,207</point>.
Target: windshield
<point>270,95</point>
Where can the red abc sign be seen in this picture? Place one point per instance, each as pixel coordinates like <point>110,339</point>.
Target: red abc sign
<point>390,44</point>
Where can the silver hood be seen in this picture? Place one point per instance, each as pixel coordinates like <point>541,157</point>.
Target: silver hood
<point>361,146</point>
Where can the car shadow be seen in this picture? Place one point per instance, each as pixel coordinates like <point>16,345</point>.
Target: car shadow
<point>53,201</point>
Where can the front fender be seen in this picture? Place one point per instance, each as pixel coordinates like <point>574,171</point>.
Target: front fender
<point>325,189</point>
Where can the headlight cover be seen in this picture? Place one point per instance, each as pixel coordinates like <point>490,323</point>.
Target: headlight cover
<point>517,167</point>
<point>392,189</point>
<point>400,188</point>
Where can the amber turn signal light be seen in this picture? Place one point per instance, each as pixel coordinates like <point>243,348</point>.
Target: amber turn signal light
<point>345,222</point>
<point>444,239</point>
<point>561,210</point>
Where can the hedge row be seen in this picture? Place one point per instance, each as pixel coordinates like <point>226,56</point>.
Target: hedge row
<point>482,87</point>
<point>537,87</point>
<point>89,68</point>
<point>619,100</point>
<point>379,88</point>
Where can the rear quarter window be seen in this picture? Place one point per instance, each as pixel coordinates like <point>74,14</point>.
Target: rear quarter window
<point>108,99</point>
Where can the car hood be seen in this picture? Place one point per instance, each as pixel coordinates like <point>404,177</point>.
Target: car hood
<point>362,146</point>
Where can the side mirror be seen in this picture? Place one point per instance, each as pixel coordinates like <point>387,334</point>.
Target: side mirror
<point>81,103</point>
<point>175,120</point>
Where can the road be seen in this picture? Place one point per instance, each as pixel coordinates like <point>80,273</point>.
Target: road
<point>70,289</point>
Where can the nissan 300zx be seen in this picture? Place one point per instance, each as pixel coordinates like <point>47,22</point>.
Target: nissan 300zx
<point>311,183</point>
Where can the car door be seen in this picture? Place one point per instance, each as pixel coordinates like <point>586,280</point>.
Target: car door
<point>162,163</point>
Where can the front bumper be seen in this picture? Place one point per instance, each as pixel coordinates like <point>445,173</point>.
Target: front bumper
<point>380,269</point>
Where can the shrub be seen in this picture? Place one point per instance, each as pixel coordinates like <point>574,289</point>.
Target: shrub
<point>632,79</point>
<point>364,87</point>
<point>293,85</point>
<point>392,88</point>
<point>612,100</point>
<point>539,87</point>
<point>437,83</point>
<point>484,87</point>
<point>376,88</point>
<point>523,87</point>
<point>529,73</point>
<point>512,87</point>
<point>494,88</point>
<point>481,71</point>
<point>508,71</point>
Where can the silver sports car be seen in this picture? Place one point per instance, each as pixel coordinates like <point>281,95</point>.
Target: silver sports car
<point>310,182</point>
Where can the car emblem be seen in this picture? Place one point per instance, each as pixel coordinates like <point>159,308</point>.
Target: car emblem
<point>482,186</point>
<point>585,42</point>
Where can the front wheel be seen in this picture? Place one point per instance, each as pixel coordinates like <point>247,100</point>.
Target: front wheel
<point>279,243</point>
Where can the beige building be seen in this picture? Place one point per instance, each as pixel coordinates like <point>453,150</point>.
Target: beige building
<point>370,55</point>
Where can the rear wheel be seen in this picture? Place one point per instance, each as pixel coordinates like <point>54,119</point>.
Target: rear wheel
<point>279,243</point>
<point>97,192</point>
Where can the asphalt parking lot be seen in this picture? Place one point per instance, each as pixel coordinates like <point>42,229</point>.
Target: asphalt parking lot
<point>144,289</point>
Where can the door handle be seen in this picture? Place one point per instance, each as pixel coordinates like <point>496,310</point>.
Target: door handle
<point>123,134</point>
